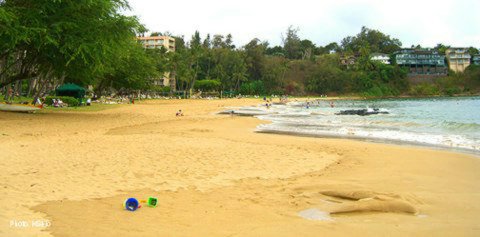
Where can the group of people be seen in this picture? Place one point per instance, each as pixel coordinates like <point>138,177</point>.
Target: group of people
<point>308,103</point>
<point>268,103</point>
<point>57,103</point>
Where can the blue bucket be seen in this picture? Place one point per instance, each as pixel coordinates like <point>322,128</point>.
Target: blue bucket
<point>131,204</point>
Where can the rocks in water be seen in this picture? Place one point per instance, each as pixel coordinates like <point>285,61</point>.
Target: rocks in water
<point>361,112</point>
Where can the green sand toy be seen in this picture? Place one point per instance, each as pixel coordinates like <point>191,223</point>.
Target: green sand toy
<point>152,202</point>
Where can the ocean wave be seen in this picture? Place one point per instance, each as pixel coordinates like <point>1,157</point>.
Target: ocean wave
<point>424,122</point>
<point>460,126</point>
<point>437,140</point>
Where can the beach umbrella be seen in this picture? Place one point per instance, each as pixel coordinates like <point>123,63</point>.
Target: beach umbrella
<point>71,90</point>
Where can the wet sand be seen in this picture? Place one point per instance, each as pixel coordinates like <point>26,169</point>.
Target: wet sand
<point>214,176</point>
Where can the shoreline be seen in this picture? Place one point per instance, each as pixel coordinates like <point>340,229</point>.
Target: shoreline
<point>379,141</point>
<point>403,141</point>
<point>215,176</point>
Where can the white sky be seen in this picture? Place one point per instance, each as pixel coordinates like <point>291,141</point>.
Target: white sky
<point>424,22</point>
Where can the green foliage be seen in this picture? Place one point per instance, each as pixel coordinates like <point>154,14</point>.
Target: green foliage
<point>91,42</point>
<point>371,79</point>
<point>450,91</point>
<point>274,69</point>
<point>253,88</point>
<point>425,89</point>
<point>441,48</point>
<point>375,40</point>
<point>275,51</point>
<point>459,83</point>
<point>161,89</point>
<point>255,58</point>
<point>132,70</point>
<point>292,44</point>
<point>71,101</point>
<point>78,40</point>
<point>473,51</point>
<point>327,78</point>
<point>208,85</point>
<point>381,90</point>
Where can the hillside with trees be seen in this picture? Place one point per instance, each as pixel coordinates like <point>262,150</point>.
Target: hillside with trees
<point>44,44</point>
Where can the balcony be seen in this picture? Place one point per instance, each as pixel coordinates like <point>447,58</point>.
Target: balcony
<point>460,56</point>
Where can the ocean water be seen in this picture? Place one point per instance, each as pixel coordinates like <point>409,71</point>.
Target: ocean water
<point>451,123</point>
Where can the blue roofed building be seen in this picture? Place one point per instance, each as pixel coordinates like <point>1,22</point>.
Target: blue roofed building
<point>422,62</point>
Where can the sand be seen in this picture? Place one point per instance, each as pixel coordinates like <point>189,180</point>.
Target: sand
<point>214,176</point>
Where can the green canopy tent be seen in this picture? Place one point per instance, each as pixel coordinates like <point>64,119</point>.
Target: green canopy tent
<point>71,90</point>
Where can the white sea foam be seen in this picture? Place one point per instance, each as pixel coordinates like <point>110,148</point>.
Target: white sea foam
<point>425,123</point>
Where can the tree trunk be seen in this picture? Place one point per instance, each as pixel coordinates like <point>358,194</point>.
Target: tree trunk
<point>15,78</point>
<point>31,86</point>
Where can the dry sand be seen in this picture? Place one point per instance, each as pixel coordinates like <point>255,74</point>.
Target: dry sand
<point>214,176</point>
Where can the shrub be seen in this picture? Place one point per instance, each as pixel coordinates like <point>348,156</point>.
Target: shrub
<point>425,89</point>
<point>450,91</point>
<point>253,88</point>
<point>161,89</point>
<point>207,85</point>
<point>71,101</point>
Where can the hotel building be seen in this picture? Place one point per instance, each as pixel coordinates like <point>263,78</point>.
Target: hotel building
<point>458,59</point>
<point>422,63</point>
<point>157,42</point>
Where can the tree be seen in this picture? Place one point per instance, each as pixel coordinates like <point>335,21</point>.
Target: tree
<point>208,85</point>
<point>217,41</point>
<point>327,76</point>
<point>276,50</point>
<point>307,48</point>
<point>77,40</point>
<point>292,44</point>
<point>472,51</point>
<point>376,40</point>
<point>229,42</point>
<point>156,34</point>
<point>195,42</point>
<point>255,58</point>
<point>207,43</point>
<point>133,70</point>
<point>441,48</point>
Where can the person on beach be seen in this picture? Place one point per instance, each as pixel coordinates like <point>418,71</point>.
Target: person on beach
<point>37,102</point>
<point>55,103</point>
<point>179,113</point>
<point>332,104</point>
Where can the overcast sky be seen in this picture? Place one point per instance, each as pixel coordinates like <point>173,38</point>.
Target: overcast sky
<point>425,22</point>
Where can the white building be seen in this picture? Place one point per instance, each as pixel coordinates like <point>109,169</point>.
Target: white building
<point>157,42</point>
<point>380,57</point>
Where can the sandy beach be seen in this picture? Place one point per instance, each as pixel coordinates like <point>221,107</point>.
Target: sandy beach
<point>214,176</point>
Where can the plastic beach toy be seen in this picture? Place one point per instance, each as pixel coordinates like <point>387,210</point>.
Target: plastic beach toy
<point>131,204</point>
<point>152,202</point>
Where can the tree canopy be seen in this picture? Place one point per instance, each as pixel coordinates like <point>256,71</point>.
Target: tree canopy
<point>69,39</point>
<point>92,43</point>
<point>375,40</point>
